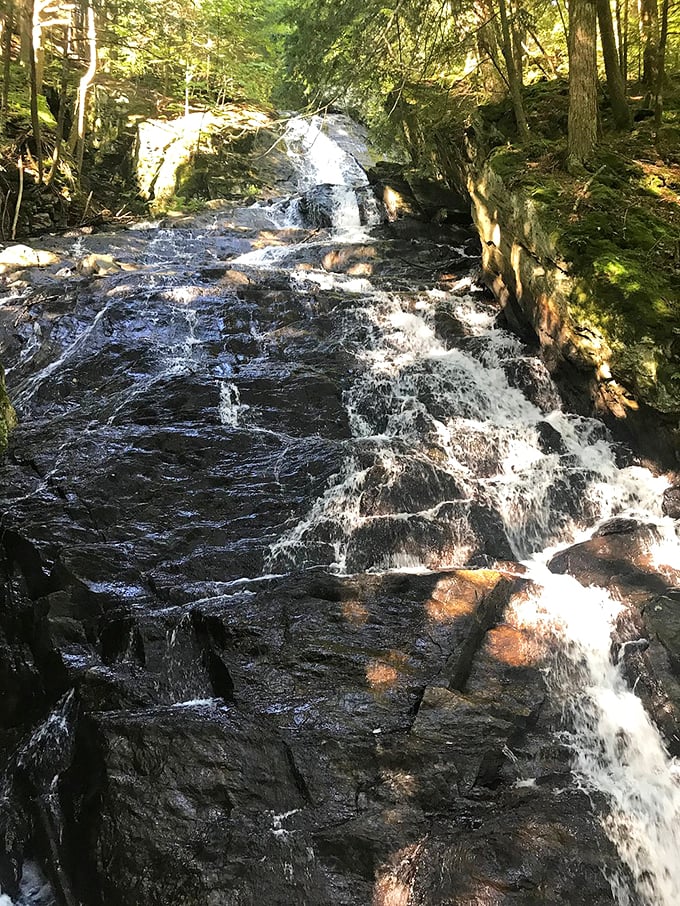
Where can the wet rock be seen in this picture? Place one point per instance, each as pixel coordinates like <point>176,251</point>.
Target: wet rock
<point>344,758</point>
<point>619,525</point>
<point>202,443</point>
<point>406,195</point>
<point>624,456</point>
<point>318,205</point>
<point>550,439</point>
<point>473,246</point>
<point>371,210</point>
<point>618,558</point>
<point>439,202</point>
<point>662,616</point>
<point>671,502</point>
<point>41,222</point>
<point>322,205</point>
<point>393,190</point>
<point>532,377</point>
<point>241,776</point>
<point>417,486</point>
<point>650,660</point>
<point>449,326</point>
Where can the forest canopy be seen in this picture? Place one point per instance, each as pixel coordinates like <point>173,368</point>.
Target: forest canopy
<point>397,64</point>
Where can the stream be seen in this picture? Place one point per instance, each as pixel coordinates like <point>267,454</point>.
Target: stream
<point>314,592</point>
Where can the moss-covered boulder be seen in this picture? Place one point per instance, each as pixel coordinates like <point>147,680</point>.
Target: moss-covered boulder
<point>231,154</point>
<point>7,416</point>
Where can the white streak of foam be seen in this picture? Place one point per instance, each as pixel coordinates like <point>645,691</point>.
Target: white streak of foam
<point>617,750</point>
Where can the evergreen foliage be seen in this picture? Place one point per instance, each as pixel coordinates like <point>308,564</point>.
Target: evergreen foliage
<point>403,65</point>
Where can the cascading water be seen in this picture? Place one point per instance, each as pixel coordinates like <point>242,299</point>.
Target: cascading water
<point>441,445</point>
<point>617,749</point>
<point>550,475</point>
<point>450,410</point>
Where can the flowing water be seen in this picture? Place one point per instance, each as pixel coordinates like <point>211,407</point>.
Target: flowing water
<point>347,417</point>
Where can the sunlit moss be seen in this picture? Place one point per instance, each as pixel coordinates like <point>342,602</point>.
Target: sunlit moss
<point>615,230</point>
<point>7,416</point>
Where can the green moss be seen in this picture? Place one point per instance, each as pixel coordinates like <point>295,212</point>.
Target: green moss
<point>617,228</point>
<point>7,415</point>
<point>19,106</point>
<point>508,163</point>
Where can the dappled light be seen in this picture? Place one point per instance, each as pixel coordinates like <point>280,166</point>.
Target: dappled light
<point>401,783</point>
<point>353,260</point>
<point>384,673</point>
<point>457,595</point>
<point>390,891</point>
<point>19,256</point>
<point>355,612</point>
<point>512,647</point>
<point>333,569</point>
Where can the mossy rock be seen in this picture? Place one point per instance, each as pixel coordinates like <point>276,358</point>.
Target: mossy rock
<point>668,141</point>
<point>7,415</point>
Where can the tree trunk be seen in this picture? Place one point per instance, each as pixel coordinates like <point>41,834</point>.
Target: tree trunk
<point>619,32</point>
<point>649,33</point>
<point>24,20</point>
<point>7,33</point>
<point>661,74</point>
<point>517,35</point>
<point>35,121</point>
<point>187,85</point>
<point>582,82</point>
<point>492,77</point>
<point>615,86</point>
<point>61,116</point>
<point>513,77</point>
<point>624,46</point>
<point>78,139</point>
<point>38,50</point>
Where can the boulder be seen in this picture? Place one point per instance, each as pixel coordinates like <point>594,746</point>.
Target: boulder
<point>671,502</point>
<point>393,190</point>
<point>619,558</point>
<point>98,266</point>
<point>14,257</point>
<point>329,205</point>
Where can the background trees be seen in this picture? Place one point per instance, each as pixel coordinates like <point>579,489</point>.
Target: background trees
<point>387,60</point>
<point>183,52</point>
<point>416,52</point>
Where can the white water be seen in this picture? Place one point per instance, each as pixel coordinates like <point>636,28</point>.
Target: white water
<point>318,158</point>
<point>35,890</point>
<point>617,749</point>
<point>417,400</point>
<point>230,404</point>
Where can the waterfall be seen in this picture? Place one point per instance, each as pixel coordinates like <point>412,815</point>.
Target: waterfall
<point>319,159</point>
<point>455,411</point>
<point>617,750</point>
<point>446,446</point>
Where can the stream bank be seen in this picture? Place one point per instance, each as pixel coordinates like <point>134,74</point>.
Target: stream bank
<point>587,267</point>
